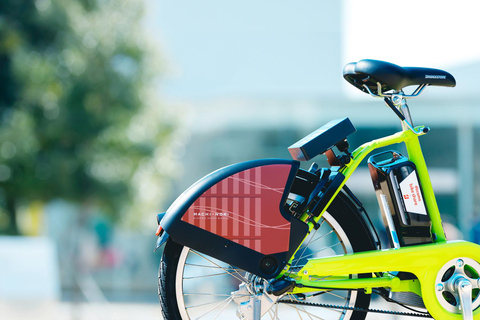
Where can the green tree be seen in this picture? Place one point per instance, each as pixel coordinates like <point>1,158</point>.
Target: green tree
<point>78,116</point>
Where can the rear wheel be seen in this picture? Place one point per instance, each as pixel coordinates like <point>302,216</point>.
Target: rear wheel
<point>193,285</point>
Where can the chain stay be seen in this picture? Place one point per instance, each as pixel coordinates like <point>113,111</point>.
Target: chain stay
<point>331,306</point>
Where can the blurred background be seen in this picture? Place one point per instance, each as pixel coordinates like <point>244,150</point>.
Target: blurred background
<point>109,109</point>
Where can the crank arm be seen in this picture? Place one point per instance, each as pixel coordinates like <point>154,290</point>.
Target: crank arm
<point>464,289</point>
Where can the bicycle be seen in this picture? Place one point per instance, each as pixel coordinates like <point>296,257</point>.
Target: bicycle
<point>266,239</point>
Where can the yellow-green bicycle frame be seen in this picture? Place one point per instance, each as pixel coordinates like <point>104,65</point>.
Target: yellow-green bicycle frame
<point>424,261</point>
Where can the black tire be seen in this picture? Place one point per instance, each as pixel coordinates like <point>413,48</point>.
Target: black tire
<point>176,292</point>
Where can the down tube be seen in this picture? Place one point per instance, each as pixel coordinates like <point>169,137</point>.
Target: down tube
<point>416,156</point>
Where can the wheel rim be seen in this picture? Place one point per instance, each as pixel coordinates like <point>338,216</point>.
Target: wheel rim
<point>204,284</point>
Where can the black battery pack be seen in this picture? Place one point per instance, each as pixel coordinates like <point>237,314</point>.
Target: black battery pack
<point>400,198</point>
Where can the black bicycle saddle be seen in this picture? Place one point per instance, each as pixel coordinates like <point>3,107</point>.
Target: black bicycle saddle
<point>393,77</point>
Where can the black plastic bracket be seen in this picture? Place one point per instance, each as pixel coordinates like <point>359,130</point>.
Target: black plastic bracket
<point>320,201</point>
<point>321,140</point>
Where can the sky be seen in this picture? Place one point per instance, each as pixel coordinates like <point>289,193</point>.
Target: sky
<point>413,32</point>
<point>289,49</point>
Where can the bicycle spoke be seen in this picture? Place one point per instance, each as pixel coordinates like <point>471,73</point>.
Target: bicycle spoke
<point>227,301</point>
<point>313,278</point>
<point>210,303</point>
<point>241,278</point>
<point>272,314</point>
<point>220,312</point>
<point>320,238</point>
<point>308,314</point>
<point>298,258</point>
<point>209,294</point>
<point>206,276</point>
<point>336,295</point>
<point>304,249</point>
<point>323,249</point>
<point>204,266</point>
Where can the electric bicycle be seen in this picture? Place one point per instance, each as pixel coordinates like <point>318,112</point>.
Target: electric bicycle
<point>265,239</point>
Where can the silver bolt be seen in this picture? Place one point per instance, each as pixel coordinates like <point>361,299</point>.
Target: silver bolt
<point>397,100</point>
<point>439,287</point>
<point>465,285</point>
<point>460,263</point>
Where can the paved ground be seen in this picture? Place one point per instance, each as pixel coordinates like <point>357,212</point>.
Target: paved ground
<point>109,311</point>
<point>83,311</point>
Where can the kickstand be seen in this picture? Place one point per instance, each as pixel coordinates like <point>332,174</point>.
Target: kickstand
<point>257,309</point>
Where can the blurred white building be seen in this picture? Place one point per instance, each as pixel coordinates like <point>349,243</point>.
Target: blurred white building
<point>253,77</point>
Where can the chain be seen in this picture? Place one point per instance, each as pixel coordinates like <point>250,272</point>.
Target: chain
<point>332,306</point>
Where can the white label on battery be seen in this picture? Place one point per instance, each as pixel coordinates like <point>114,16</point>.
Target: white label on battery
<point>412,197</point>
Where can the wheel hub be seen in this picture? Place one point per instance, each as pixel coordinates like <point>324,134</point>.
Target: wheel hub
<point>252,298</point>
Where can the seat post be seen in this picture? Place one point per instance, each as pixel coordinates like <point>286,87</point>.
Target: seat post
<point>401,103</point>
